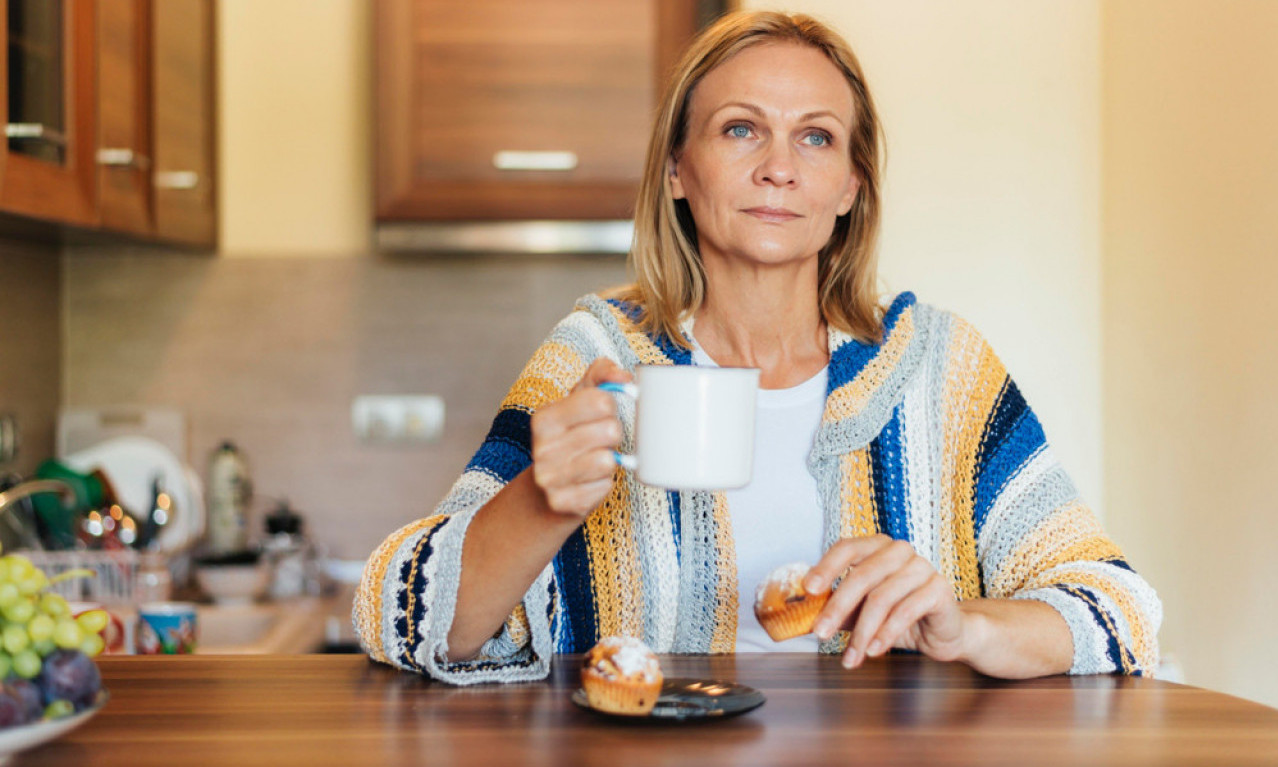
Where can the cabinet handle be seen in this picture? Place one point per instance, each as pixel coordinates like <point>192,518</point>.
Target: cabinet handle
<point>509,159</point>
<point>36,132</point>
<point>176,179</point>
<point>123,158</point>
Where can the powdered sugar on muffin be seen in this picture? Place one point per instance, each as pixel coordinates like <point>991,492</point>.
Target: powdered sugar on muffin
<point>789,578</point>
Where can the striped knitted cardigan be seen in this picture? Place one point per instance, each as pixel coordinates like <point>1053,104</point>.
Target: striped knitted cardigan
<point>924,438</point>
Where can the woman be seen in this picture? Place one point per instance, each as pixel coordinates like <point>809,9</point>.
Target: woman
<point>894,451</point>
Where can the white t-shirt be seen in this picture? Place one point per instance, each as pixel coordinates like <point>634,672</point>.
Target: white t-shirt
<point>776,519</point>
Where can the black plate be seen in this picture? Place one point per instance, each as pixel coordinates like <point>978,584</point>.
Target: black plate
<point>691,699</point>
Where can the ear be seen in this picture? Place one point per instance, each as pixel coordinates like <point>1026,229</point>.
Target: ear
<point>676,185</point>
<point>854,186</point>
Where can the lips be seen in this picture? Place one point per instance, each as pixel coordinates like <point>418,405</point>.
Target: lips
<point>777,215</point>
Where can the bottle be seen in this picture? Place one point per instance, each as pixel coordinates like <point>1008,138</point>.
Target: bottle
<point>229,491</point>
<point>289,552</point>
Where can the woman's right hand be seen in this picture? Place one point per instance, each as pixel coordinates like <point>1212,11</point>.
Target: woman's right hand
<point>573,440</point>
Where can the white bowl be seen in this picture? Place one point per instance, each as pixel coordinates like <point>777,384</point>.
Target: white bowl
<point>233,584</point>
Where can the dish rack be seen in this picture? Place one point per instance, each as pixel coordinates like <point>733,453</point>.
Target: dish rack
<point>115,573</point>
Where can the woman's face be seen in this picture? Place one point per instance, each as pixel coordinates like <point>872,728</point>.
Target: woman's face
<point>765,166</point>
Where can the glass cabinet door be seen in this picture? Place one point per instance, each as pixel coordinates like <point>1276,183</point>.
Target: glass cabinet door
<point>37,81</point>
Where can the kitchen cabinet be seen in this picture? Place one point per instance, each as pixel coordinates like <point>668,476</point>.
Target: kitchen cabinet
<point>110,116</point>
<point>506,109</point>
<point>124,120</point>
<point>47,165</point>
<point>183,121</point>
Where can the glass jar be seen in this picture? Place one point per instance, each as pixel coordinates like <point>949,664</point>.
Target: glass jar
<point>154,582</point>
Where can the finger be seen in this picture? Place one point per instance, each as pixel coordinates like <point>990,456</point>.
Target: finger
<point>564,469</point>
<point>578,499</point>
<point>581,406</point>
<point>883,599</point>
<point>859,580</point>
<point>600,371</point>
<point>839,557</point>
<point>932,597</point>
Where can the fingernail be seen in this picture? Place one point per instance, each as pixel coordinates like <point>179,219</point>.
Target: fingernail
<point>823,630</point>
<point>813,584</point>
<point>850,659</point>
<point>875,647</point>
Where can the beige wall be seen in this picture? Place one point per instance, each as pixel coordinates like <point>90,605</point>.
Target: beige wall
<point>1191,265</point>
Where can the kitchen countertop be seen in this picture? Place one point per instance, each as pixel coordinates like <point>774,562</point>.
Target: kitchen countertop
<point>900,709</point>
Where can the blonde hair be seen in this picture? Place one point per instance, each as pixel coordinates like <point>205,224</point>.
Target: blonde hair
<point>670,281</point>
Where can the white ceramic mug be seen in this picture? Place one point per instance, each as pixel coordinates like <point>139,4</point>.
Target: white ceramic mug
<point>694,426</point>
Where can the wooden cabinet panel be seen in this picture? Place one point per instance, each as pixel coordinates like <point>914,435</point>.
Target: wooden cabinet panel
<point>570,84</point>
<point>182,121</point>
<point>124,118</point>
<point>49,110</point>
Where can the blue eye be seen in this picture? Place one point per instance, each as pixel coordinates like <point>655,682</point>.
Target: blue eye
<point>818,139</point>
<point>738,131</point>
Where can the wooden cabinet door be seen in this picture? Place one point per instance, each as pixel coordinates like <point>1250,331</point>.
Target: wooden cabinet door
<point>124,115</point>
<point>510,109</point>
<point>182,122</point>
<point>49,110</point>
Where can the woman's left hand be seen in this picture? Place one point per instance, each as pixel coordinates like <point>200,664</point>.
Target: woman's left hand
<point>889,597</point>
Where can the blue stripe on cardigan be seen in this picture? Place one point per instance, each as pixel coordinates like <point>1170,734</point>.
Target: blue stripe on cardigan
<point>850,358</point>
<point>1013,436</point>
<point>1115,651</point>
<point>507,450</point>
<point>887,464</point>
<point>577,594</point>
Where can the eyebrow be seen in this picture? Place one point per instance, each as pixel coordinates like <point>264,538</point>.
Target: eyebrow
<point>755,109</point>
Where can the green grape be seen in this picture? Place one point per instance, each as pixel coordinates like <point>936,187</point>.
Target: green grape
<point>41,627</point>
<point>6,665</point>
<point>33,583</point>
<point>67,634</point>
<point>43,646</point>
<point>92,645</point>
<point>53,605</point>
<point>58,709</point>
<point>26,664</point>
<point>4,570</point>
<point>19,612</point>
<point>93,621</point>
<point>9,594</point>
<point>15,638</point>
<point>19,567</point>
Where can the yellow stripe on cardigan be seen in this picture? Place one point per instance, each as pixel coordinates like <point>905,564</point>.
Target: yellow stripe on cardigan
<point>859,517</point>
<point>614,564</point>
<point>1142,647</point>
<point>638,341</point>
<point>724,638</point>
<point>970,393</point>
<point>1069,534</point>
<point>368,597</point>
<point>851,398</point>
<point>539,383</point>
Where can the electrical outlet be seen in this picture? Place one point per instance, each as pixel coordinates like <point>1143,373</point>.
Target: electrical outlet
<point>411,419</point>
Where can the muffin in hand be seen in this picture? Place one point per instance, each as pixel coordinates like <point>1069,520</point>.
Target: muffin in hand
<point>621,676</point>
<point>784,608</point>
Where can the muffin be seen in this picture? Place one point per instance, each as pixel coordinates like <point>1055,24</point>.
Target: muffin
<point>784,608</point>
<point>621,676</point>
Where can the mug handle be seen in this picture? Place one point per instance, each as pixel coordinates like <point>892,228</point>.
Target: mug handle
<point>624,460</point>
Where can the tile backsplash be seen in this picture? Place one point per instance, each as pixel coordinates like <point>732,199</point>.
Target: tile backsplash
<point>271,352</point>
<point>30,347</point>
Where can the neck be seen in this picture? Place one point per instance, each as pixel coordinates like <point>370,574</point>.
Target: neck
<point>766,318</point>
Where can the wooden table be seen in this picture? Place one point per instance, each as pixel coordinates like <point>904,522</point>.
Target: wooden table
<point>899,710</point>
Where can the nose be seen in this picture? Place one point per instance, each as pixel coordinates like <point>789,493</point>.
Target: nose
<point>777,165</point>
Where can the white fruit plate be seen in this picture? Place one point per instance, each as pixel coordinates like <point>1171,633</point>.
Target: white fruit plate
<point>21,738</point>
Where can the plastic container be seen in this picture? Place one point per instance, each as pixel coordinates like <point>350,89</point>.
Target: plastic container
<point>229,491</point>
